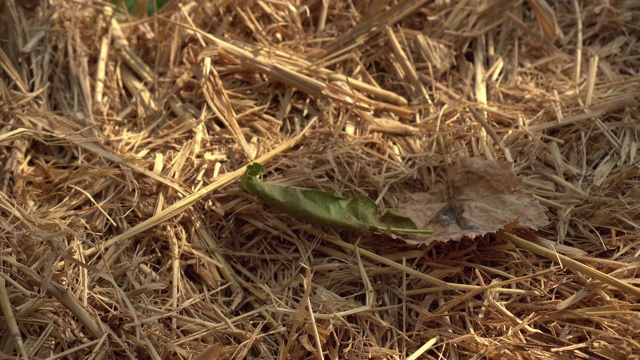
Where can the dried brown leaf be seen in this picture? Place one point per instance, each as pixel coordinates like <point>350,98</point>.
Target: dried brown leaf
<point>478,197</point>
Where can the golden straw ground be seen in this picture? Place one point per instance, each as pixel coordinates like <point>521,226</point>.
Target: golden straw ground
<point>124,233</point>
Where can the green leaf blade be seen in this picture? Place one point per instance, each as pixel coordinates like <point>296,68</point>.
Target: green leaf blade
<point>324,208</point>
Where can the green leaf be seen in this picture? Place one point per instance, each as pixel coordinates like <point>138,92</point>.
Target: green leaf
<point>152,6</point>
<point>324,208</point>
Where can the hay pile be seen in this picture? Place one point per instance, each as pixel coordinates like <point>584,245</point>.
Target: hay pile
<point>124,234</point>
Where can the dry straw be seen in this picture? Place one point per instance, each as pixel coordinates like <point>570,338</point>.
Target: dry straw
<point>124,234</point>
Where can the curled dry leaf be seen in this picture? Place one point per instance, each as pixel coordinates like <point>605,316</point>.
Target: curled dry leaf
<point>478,197</point>
<point>324,208</point>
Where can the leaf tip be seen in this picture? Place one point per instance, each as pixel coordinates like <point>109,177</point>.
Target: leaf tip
<point>253,170</point>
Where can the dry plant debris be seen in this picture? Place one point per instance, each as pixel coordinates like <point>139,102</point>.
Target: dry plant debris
<point>476,197</point>
<point>124,235</point>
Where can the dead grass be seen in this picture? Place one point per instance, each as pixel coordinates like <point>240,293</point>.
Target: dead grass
<point>124,234</point>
